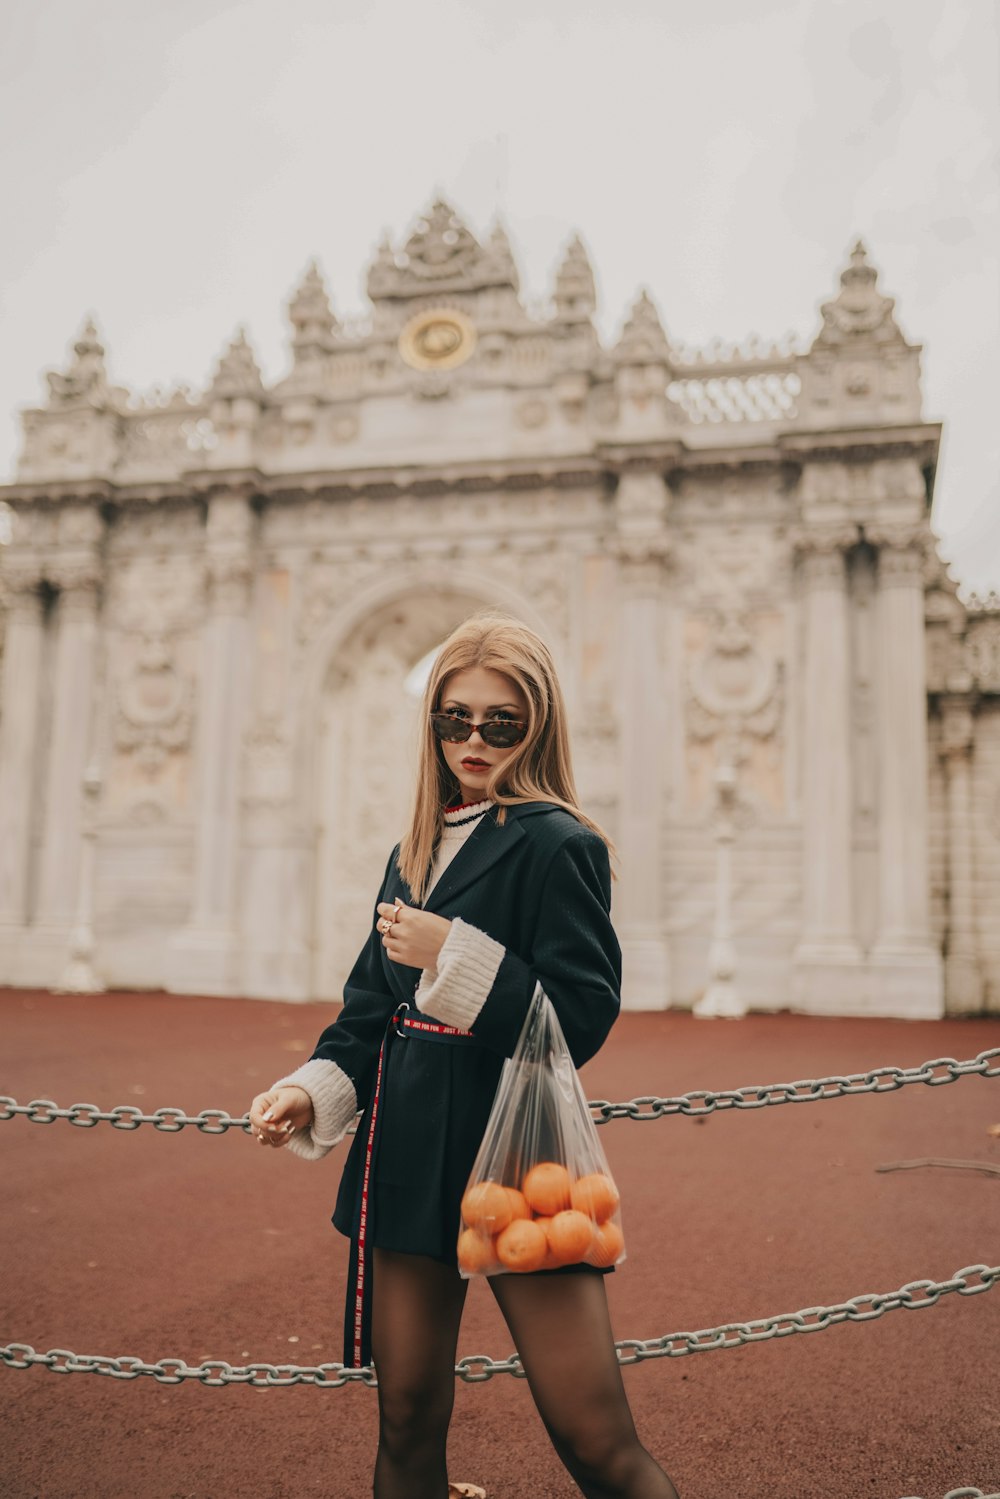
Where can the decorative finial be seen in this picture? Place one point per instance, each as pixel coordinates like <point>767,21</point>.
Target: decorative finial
<point>238,373</point>
<point>311,316</point>
<point>643,339</point>
<point>499,256</point>
<point>859,311</point>
<point>575,293</point>
<point>440,246</point>
<point>86,377</point>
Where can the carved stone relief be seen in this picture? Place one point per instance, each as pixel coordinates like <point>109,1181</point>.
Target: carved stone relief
<point>154,613</point>
<point>734,704</point>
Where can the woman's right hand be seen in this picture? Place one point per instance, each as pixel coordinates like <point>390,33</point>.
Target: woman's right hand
<point>275,1116</point>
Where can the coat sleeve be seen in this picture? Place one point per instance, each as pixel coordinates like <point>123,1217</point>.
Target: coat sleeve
<point>575,956</point>
<point>338,1076</point>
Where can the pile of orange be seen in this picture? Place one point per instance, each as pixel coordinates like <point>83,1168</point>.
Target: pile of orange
<point>549,1221</point>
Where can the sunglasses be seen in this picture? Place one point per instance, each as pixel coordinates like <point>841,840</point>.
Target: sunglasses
<point>498,733</point>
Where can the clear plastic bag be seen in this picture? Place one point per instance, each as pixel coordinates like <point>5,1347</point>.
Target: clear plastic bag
<point>540,1195</point>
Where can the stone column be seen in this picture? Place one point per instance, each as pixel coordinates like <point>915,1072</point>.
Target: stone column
<point>206,954</point>
<point>639,913</point>
<point>827,960</point>
<point>962,971</point>
<point>906,969</point>
<point>73,684</point>
<point>20,695</point>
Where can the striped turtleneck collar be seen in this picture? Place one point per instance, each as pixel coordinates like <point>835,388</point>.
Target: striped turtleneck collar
<point>466,813</point>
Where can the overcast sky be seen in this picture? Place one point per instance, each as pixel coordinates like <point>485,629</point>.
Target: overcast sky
<point>171,168</point>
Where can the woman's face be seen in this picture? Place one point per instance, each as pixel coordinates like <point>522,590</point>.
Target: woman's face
<point>477,695</point>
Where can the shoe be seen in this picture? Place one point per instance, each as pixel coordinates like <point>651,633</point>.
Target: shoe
<point>465,1491</point>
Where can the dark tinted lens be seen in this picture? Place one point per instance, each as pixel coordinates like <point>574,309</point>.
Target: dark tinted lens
<point>454,730</point>
<point>501,733</point>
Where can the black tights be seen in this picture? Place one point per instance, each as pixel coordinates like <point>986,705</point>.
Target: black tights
<point>561,1330</point>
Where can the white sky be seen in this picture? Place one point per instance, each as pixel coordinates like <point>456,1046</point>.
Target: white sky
<point>171,168</point>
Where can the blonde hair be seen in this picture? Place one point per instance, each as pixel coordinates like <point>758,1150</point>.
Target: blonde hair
<point>539,769</point>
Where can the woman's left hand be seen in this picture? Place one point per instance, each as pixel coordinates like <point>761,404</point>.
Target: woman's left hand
<point>415,938</point>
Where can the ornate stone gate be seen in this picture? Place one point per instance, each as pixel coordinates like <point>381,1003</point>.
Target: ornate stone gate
<point>210,602</point>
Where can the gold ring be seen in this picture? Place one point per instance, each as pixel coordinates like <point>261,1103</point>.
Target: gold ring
<point>384,926</point>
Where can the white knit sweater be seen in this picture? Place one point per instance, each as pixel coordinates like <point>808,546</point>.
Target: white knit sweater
<point>453,992</point>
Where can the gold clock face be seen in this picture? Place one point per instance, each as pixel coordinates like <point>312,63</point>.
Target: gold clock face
<point>437,340</point>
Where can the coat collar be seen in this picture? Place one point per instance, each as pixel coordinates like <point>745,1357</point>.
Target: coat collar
<point>485,845</point>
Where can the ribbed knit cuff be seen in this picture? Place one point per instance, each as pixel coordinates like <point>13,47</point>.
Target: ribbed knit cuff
<point>334,1102</point>
<point>455,991</point>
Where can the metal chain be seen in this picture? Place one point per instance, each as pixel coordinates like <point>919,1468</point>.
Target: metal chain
<point>696,1104</point>
<point>476,1368</point>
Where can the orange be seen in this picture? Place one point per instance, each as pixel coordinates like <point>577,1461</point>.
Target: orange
<point>550,1263</point>
<point>607,1246</point>
<point>518,1204</point>
<point>475,1251</point>
<point>570,1235</point>
<point>522,1245</point>
<point>596,1195</point>
<point>546,1187</point>
<point>487,1206</point>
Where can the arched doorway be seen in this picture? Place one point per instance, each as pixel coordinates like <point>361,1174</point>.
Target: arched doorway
<point>365,761</point>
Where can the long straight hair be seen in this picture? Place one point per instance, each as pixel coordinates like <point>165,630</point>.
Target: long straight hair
<point>540,767</point>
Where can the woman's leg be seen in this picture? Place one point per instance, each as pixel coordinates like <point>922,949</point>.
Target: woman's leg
<point>562,1331</point>
<point>416,1310</point>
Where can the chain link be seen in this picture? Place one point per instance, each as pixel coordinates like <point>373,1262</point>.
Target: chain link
<point>696,1104</point>
<point>699,1103</point>
<point>477,1368</point>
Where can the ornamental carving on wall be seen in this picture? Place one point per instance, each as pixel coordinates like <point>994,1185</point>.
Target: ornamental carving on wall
<point>734,701</point>
<point>154,707</point>
<point>982,654</point>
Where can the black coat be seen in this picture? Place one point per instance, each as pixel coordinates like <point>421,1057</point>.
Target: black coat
<point>540,885</point>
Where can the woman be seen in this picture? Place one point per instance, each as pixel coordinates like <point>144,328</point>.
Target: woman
<point>500,881</point>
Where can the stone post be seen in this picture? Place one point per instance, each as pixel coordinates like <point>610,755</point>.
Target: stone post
<point>906,969</point>
<point>962,970</point>
<point>722,999</point>
<point>20,694</point>
<point>73,685</point>
<point>639,914</point>
<point>206,954</point>
<point>827,959</point>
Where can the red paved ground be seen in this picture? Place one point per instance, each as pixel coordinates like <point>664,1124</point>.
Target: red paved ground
<point>192,1246</point>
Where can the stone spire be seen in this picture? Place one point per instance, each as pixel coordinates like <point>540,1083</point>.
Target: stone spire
<point>382,273</point>
<point>499,257</point>
<point>859,313</point>
<point>311,316</point>
<point>86,378</point>
<point>238,373</point>
<point>643,339</point>
<point>575,293</point>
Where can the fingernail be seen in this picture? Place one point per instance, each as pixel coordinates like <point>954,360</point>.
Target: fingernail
<point>268,1115</point>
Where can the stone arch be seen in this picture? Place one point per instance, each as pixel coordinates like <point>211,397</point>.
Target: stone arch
<point>357,741</point>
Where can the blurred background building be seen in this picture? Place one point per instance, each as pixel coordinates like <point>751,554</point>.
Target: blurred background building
<point>216,612</point>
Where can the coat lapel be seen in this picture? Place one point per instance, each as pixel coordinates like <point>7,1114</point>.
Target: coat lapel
<point>485,845</point>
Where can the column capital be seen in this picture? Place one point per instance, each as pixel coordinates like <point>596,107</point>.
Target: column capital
<point>20,584</point>
<point>229,577</point>
<point>822,553</point>
<point>644,561</point>
<point>229,526</point>
<point>78,580</point>
<point>957,725</point>
<point>902,553</point>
